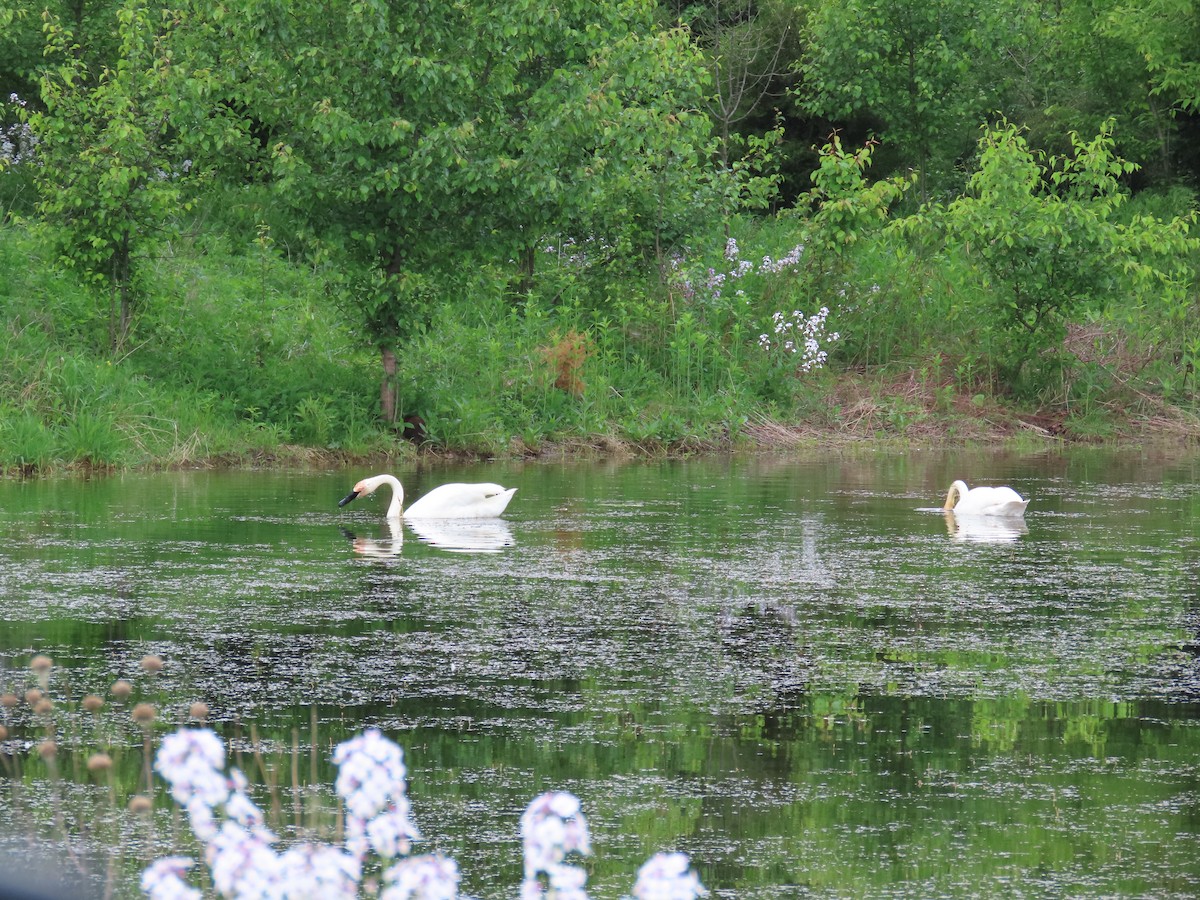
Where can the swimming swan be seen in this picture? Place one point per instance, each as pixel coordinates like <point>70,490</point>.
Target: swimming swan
<point>448,501</point>
<point>984,501</point>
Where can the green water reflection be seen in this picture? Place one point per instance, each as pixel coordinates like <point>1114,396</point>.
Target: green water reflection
<point>795,669</point>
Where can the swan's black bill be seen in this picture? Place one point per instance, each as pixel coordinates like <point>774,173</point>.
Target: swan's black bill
<point>350,496</point>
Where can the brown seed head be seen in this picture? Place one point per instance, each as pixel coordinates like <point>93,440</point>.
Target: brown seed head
<point>44,707</point>
<point>121,689</point>
<point>93,703</point>
<point>143,713</point>
<point>32,696</point>
<point>9,700</point>
<point>41,663</point>
<point>3,733</point>
<point>198,710</point>
<point>139,804</point>
<point>99,762</point>
<point>152,664</point>
<point>47,749</point>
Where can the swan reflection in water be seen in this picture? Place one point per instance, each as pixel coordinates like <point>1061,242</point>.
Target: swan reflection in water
<point>469,536</point>
<point>985,529</point>
<point>378,548</point>
<point>464,535</point>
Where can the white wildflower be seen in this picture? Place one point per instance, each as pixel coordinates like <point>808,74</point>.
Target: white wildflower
<point>551,827</point>
<point>391,832</point>
<point>242,862</point>
<point>432,877</point>
<point>667,876</point>
<point>320,872</point>
<point>163,879</point>
<point>371,772</point>
<point>190,761</point>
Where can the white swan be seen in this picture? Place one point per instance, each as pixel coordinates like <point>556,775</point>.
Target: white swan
<point>447,501</point>
<point>984,501</point>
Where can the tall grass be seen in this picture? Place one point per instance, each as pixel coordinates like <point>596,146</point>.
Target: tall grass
<point>231,353</point>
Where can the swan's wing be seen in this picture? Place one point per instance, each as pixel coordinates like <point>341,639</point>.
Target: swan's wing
<point>461,501</point>
<point>992,501</point>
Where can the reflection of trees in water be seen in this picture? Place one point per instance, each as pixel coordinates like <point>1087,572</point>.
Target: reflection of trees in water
<point>762,639</point>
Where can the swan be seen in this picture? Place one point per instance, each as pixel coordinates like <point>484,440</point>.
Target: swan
<point>984,501</point>
<point>447,501</point>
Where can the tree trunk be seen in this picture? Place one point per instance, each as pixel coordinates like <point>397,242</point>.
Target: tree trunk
<point>527,263</point>
<point>387,387</point>
<point>121,318</point>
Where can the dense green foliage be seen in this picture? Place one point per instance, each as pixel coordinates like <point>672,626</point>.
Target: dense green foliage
<point>551,223</point>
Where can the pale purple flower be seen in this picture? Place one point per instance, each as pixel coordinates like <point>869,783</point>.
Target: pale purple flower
<point>163,879</point>
<point>770,266</point>
<point>242,863</point>
<point>731,249</point>
<point>370,773</point>
<point>371,781</point>
<point>243,810</point>
<point>713,283</point>
<point>391,832</point>
<point>190,761</point>
<point>552,826</point>
<point>320,871</point>
<point>433,877</point>
<point>667,876</point>
<point>202,819</point>
<point>809,332</point>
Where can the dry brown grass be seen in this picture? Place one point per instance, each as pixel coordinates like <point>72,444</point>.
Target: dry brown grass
<point>566,357</point>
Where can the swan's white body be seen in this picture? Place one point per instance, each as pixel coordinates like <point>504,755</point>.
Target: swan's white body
<point>984,501</point>
<point>448,501</point>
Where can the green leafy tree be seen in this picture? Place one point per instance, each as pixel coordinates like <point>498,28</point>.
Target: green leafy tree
<point>22,42</point>
<point>1108,79</point>
<point>113,167</point>
<point>1167,35</point>
<point>443,137</point>
<point>905,66</point>
<point>845,206</point>
<point>1044,234</point>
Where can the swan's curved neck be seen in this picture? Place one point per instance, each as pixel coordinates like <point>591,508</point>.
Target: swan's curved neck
<point>956,493</point>
<point>397,504</point>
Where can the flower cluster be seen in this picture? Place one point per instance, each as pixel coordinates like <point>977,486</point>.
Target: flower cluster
<point>371,783</point>
<point>800,334</point>
<point>714,283</point>
<point>432,877</point>
<point>163,879</point>
<point>552,827</point>
<point>16,141</point>
<point>238,845</point>
<point>787,263</point>
<point>667,876</point>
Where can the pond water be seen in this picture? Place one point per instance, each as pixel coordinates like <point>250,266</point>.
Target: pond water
<point>795,669</point>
